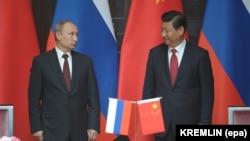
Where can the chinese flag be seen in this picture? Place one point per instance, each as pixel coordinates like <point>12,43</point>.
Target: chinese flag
<point>151,117</point>
<point>143,31</point>
<point>18,46</point>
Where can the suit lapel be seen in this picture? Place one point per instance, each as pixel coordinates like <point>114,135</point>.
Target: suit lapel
<point>75,70</point>
<point>185,61</point>
<point>163,56</point>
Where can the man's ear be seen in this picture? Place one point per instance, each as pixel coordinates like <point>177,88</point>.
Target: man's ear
<point>58,35</point>
<point>181,30</point>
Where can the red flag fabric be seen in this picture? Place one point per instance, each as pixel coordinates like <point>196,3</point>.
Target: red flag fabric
<point>151,117</point>
<point>18,45</point>
<point>143,31</point>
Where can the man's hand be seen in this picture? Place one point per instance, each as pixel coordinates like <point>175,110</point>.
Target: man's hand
<point>39,135</point>
<point>92,134</point>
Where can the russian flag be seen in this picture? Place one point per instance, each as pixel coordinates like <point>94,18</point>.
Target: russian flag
<point>225,33</point>
<point>97,40</point>
<point>119,114</point>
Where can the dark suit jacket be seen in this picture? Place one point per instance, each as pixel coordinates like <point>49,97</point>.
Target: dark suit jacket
<point>190,100</point>
<point>61,111</point>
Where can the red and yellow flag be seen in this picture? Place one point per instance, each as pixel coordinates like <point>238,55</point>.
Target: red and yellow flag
<point>151,116</point>
<point>18,46</point>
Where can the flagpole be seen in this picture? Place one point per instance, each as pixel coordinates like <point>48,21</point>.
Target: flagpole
<point>135,117</point>
<point>136,122</point>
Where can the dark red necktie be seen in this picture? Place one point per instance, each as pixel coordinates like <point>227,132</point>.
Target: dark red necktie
<point>173,66</point>
<point>66,72</point>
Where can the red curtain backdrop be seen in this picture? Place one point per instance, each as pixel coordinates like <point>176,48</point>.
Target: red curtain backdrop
<point>18,45</point>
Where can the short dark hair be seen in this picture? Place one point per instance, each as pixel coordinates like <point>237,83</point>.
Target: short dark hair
<point>59,26</point>
<point>178,19</point>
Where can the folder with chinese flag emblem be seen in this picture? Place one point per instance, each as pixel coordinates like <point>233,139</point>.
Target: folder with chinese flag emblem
<point>150,116</point>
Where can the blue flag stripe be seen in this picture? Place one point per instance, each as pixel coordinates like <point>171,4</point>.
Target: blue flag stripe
<point>118,119</point>
<point>226,27</point>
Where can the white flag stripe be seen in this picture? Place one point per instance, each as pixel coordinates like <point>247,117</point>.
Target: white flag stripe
<point>110,124</point>
<point>247,5</point>
<point>103,8</point>
<point>148,100</point>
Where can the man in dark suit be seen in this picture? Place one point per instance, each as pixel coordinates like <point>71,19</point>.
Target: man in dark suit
<point>56,112</point>
<point>188,95</point>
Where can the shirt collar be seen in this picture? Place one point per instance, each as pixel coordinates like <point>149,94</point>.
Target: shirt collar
<point>60,53</point>
<point>180,47</point>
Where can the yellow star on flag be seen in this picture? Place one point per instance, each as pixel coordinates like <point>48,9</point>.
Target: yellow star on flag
<point>157,1</point>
